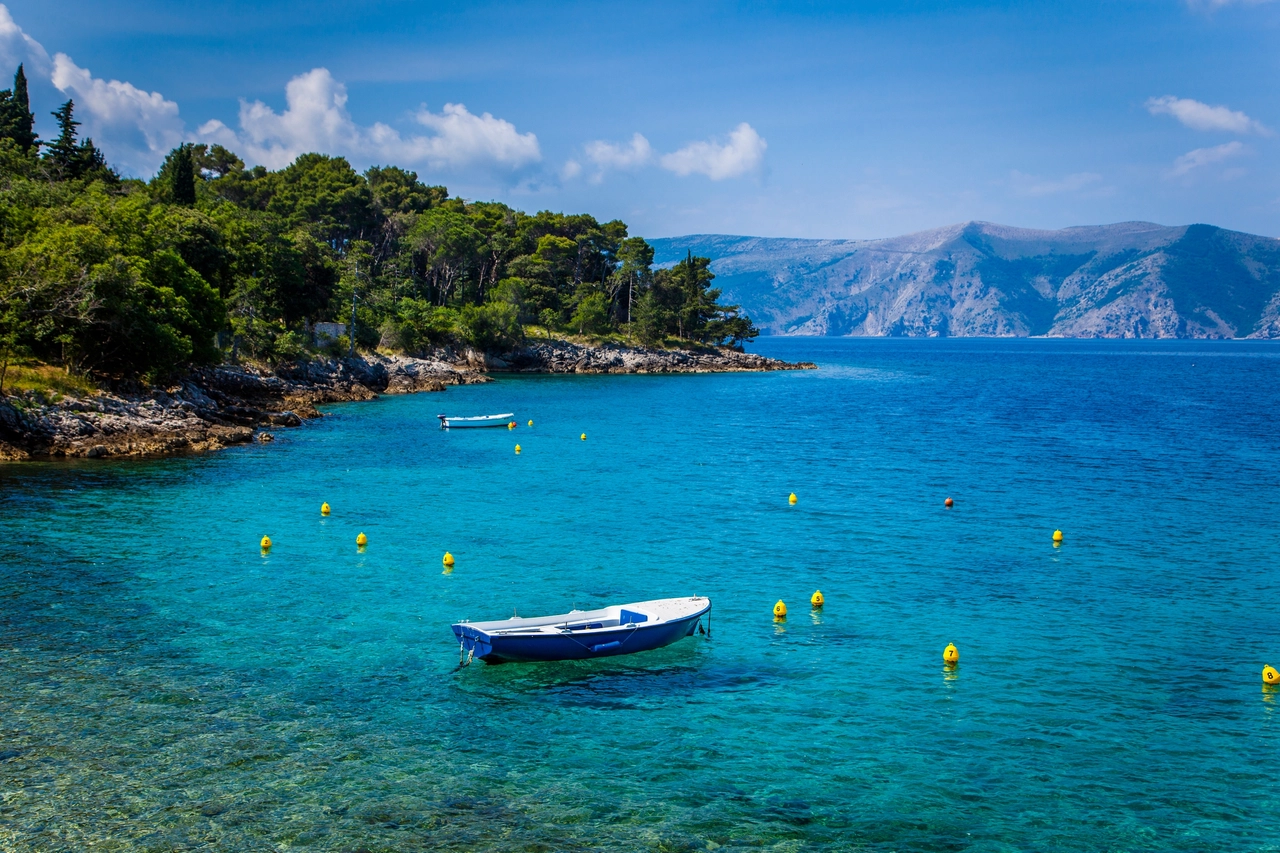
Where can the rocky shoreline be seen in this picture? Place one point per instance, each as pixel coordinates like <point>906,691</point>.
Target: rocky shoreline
<point>567,357</point>
<point>217,407</point>
<point>210,409</point>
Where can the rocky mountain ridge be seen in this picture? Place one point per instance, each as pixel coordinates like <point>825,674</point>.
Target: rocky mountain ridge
<point>1127,280</point>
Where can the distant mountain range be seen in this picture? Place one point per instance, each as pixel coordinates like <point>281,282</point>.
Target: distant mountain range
<point>1128,280</point>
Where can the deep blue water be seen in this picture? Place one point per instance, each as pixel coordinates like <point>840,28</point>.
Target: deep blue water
<point>165,686</point>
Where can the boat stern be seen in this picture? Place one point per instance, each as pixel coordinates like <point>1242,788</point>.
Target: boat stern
<point>472,642</point>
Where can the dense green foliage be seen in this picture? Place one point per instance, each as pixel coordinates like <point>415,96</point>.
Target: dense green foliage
<point>212,260</point>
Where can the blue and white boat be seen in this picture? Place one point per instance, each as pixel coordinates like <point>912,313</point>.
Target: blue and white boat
<point>447,422</point>
<point>581,634</point>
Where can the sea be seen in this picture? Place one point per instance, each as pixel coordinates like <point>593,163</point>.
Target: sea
<point>166,685</point>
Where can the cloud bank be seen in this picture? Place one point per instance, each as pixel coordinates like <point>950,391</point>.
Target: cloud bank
<point>17,47</point>
<point>316,119</point>
<point>135,127</point>
<point>1201,116</point>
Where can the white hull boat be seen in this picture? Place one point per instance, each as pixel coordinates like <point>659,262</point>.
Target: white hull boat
<point>447,422</point>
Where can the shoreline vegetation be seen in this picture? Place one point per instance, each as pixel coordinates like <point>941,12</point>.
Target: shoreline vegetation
<point>185,312</point>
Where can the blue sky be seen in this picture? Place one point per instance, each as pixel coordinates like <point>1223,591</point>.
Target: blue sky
<point>777,119</point>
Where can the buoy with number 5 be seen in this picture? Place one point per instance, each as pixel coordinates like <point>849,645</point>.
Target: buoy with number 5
<point>817,600</point>
<point>779,611</point>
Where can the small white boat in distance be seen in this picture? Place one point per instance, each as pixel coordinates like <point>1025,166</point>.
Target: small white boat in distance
<point>447,422</point>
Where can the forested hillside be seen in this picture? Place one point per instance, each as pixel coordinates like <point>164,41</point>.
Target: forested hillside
<point>212,260</point>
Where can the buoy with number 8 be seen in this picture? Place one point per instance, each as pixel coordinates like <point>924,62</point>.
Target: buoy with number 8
<point>1270,675</point>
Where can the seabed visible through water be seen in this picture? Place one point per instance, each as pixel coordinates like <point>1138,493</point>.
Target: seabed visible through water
<point>168,686</point>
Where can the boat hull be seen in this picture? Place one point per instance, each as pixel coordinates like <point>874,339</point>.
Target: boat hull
<point>497,647</point>
<point>475,423</point>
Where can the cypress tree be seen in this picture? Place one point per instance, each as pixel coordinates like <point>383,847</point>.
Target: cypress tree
<point>23,120</point>
<point>183,177</point>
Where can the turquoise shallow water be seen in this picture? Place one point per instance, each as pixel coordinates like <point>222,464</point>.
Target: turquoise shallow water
<point>166,687</point>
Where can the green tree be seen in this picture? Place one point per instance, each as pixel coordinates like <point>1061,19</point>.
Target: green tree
<point>650,319</point>
<point>69,156</point>
<point>17,122</point>
<point>183,178</point>
<point>592,314</point>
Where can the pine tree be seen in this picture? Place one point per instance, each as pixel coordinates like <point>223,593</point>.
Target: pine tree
<point>24,121</point>
<point>183,177</point>
<point>64,152</point>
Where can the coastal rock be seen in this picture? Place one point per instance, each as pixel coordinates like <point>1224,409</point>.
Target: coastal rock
<point>216,407</point>
<point>568,357</point>
<point>209,409</point>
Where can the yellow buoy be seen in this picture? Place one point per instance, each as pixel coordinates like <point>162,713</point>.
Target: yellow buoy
<point>951,654</point>
<point>266,543</point>
<point>448,558</point>
<point>792,498</point>
<point>324,509</point>
<point>1057,536</point>
<point>816,599</point>
<point>779,610</point>
<point>1270,675</point>
<point>530,421</point>
<point>511,425</point>
<point>517,448</point>
<point>362,540</point>
<point>584,436</point>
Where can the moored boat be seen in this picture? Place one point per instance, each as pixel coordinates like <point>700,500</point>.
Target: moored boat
<point>581,634</point>
<point>447,422</point>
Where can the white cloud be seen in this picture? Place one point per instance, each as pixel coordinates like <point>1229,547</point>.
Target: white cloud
<point>743,153</point>
<point>464,139</point>
<point>1200,116</point>
<point>316,119</point>
<point>613,155</point>
<point>1204,157</point>
<point>18,47</point>
<point>1032,185</point>
<point>570,170</point>
<point>135,129</point>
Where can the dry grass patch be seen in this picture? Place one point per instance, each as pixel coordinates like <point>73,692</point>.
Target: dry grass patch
<point>46,378</point>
